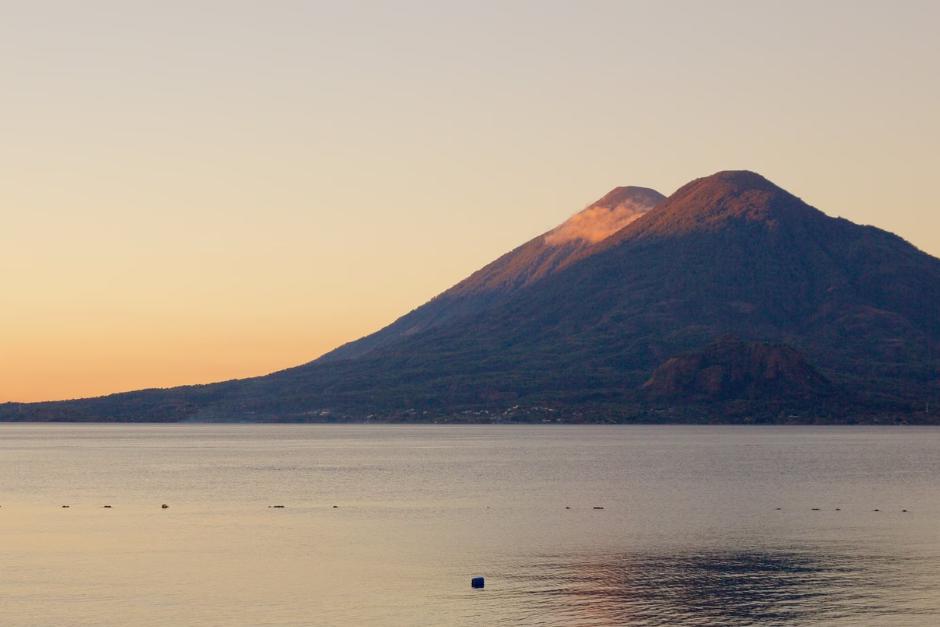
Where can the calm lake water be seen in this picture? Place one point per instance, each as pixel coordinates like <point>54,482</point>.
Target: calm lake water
<point>690,532</point>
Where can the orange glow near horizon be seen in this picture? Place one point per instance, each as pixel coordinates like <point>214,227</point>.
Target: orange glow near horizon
<point>192,193</point>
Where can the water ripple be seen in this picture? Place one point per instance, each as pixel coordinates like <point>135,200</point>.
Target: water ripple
<point>720,587</point>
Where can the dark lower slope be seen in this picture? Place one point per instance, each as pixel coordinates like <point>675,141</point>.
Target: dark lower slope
<point>487,288</point>
<point>859,305</point>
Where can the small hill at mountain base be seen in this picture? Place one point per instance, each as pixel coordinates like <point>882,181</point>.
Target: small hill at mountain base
<point>730,369</point>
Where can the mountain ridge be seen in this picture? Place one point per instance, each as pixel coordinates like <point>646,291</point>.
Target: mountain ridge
<point>520,267</point>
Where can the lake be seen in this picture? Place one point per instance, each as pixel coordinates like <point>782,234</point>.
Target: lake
<point>700,525</point>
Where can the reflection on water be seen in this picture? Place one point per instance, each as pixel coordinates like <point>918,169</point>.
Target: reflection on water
<point>809,585</point>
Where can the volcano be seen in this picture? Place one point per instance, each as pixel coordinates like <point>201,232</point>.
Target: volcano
<point>731,300</point>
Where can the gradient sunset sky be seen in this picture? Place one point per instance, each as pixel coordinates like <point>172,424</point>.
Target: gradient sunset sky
<point>196,191</point>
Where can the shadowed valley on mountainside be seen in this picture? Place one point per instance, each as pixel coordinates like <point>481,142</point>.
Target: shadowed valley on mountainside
<point>730,301</point>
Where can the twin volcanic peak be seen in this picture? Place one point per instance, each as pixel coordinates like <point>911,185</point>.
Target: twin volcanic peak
<point>710,203</point>
<point>598,221</point>
<point>730,301</point>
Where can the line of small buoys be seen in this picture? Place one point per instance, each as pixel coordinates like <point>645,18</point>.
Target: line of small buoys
<point>285,507</point>
<point>165,506</point>
<point>814,509</point>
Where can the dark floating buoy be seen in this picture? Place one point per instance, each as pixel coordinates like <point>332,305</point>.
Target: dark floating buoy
<point>336,507</point>
<point>815,509</point>
<point>567,507</point>
<point>276,506</point>
<point>779,508</point>
<point>903,510</point>
<point>598,507</point>
<point>476,582</point>
<point>106,507</point>
<point>838,509</point>
<point>876,510</point>
<point>66,506</point>
<point>164,506</point>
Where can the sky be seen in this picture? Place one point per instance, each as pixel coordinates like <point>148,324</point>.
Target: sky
<point>193,191</point>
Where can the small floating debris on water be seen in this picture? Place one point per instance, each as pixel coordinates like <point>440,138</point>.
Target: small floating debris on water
<point>567,507</point>
<point>105,507</point>
<point>598,507</point>
<point>876,510</point>
<point>815,509</point>
<point>66,506</point>
<point>164,506</point>
<point>276,506</point>
<point>476,582</point>
<point>838,509</point>
<point>903,510</point>
<point>336,507</point>
<point>778,508</point>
